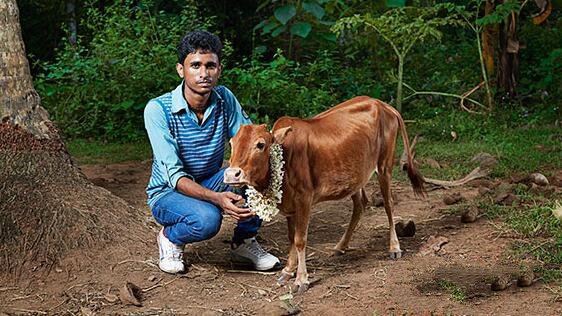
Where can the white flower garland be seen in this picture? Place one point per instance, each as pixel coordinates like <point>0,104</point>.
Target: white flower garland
<point>265,205</point>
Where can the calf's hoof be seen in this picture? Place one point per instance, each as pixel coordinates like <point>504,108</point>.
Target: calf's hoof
<point>337,252</point>
<point>284,277</point>
<point>395,254</point>
<point>299,289</point>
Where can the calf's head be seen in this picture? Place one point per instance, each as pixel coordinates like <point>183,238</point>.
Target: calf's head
<point>249,159</point>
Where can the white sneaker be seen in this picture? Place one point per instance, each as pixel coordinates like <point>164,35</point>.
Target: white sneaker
<point>170,255</point>
<point>251,252</point>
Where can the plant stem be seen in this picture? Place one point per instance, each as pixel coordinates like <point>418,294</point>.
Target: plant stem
<point>444,94</point>
<point>399,87</point>
<point>484,73</point>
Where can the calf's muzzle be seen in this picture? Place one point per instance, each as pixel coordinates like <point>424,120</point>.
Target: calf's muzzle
<point>234,177</point>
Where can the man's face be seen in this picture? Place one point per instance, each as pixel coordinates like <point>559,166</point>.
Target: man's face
<point>200,71</point>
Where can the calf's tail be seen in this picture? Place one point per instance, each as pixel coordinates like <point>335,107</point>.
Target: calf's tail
<point>416,179</point>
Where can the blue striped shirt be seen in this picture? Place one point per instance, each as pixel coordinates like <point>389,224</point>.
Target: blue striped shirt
<point>181,146</point>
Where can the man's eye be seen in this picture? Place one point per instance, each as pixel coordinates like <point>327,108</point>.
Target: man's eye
<point>260,146</point>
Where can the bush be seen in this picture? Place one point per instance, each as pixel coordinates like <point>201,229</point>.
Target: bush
<point>99,88</point>
<point>269,90</point>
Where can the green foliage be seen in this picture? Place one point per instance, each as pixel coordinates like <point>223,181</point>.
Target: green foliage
<point>456,293</point>
<point>501,12</point>
<point>297,17</point>
<point>100,88</point>
<point>268,90</point>
<point>402,28</point>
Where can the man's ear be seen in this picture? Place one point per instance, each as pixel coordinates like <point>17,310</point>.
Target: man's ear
<point>179,69</point>
<point>220,70</point>
<point>280,134</point>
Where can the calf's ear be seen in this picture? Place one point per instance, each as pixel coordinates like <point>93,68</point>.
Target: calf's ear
<point>279,135</point>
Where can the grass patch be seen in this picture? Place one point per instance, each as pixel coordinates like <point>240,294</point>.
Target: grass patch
<point>539,230</point>
<point>96,152</point>
<point>521,150</point>
<point>456,293</point>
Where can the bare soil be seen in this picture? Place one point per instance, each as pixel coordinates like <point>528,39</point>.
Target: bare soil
<point>363,281</point>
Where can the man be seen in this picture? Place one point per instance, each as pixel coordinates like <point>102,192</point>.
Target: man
<point>187,128</point>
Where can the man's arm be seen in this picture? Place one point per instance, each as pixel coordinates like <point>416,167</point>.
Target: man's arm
<point>166,153</point>
<point>224,200</point>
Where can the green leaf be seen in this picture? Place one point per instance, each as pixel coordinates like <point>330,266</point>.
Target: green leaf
<point>260,25</point>
<point>301,29</point>
<point>278,31</point>
<point>330,37</point>
<point>269,27</point>
<point>314,9</point>
<point>285,13</point>
<point>395,3</point>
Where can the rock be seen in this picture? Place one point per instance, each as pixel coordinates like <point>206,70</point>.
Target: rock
<point>111,298</point>
<point>557,212</point>
<point>501,283</point>
<point>405,229</point>
<point>485,160</point>
<point>482,190</point>
<point>507,199</point>
<point>470,215</point>
<point>526,279</point>
<point>539,179</point>
<point>432,163</point>
<point>130,294</point>
<point>453,198</point>
<point>432,245</point>
<point>86,311</point>
<point>279,308</point>
<point>378,202</point>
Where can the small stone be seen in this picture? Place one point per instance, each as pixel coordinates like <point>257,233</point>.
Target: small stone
<point>453,198</point>
<point>405,229</point>
<point>526,279</point>
<point>130,294</point>
<point>539,179</point>
<point>486,160</point>
<point>432,163</point>
<point>111,298</point>
<point>151,278</point>
<point>470,215</point>
<point>505,198</point>
<point>501,283</point>
<point>482,190</point>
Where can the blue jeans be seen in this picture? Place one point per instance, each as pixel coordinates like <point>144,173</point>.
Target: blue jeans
<point>186,219</point>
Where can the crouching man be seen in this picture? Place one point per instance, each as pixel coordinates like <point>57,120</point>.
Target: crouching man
<point>187,128</point>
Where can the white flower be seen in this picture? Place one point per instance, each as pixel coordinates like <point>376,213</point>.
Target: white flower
<point>265,205</point>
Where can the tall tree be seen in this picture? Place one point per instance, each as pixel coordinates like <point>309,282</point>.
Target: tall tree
<point>47,207</point>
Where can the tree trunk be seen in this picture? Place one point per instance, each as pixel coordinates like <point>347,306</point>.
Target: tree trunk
<point>489,40</point>
<point>47,207</point>
<point>508,67</point>
<point>71,16</point>
<point>19,102</point>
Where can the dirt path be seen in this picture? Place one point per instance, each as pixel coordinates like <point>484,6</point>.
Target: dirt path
<point>455,280</point>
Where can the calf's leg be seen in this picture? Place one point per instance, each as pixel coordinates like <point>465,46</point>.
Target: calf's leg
<point>289,270</point>
<point>301,233</point>
<point>384,182</point>
<point>358,208</point>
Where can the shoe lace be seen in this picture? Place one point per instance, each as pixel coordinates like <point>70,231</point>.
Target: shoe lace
<point>176,253</point>
<point>256,249</point>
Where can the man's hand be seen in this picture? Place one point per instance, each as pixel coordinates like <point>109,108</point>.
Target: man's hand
<point>226,200</point>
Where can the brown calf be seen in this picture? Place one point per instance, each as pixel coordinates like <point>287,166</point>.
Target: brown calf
<point>327,157</point>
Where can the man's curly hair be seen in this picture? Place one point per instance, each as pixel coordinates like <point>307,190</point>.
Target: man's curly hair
<point>201,41</point>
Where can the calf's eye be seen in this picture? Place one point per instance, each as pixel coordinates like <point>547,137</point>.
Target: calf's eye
<point>260,146</point>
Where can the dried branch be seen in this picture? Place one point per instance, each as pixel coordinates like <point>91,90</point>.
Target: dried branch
<point>474,174</point>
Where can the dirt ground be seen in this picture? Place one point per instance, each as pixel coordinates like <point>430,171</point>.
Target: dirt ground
<point>363,281</point>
